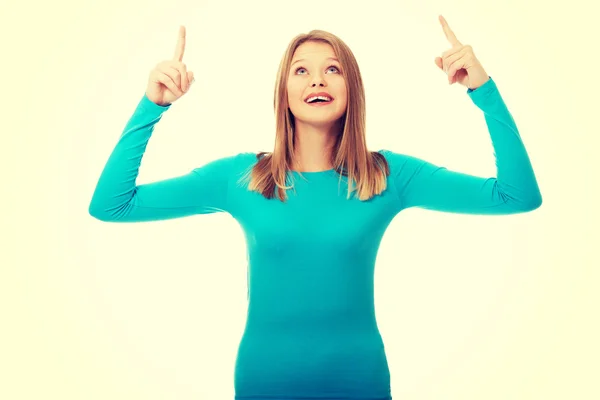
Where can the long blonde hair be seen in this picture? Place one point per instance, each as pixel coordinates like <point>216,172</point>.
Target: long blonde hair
<point>350,156</point>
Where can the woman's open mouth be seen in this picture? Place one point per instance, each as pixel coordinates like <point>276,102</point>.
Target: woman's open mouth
<point>320,103</point>
<point>319,99</point>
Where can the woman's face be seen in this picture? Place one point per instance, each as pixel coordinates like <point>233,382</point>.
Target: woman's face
<point>315,69</point>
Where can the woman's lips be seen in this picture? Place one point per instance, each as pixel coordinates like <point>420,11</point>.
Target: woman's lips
<point>320,103</point>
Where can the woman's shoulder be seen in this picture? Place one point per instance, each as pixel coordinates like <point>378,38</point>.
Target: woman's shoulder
<point>398,159</point>
<point>225,165</point>
<point>246,159</point>
<point>242,162</point>
<point>402,163</point>
<point>390,156</point>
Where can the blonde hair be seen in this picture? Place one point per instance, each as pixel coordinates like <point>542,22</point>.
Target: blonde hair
<point>350,156</point>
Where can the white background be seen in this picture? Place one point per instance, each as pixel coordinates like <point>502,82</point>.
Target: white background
<point>470,307</point>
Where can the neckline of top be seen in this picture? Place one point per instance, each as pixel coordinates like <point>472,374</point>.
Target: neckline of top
<point>313,172</point>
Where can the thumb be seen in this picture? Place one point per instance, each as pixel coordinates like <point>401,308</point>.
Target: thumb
<point>190,75</point>
<point>439,63</point>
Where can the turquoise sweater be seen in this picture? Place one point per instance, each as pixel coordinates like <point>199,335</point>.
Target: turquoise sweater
<point>311,331</point>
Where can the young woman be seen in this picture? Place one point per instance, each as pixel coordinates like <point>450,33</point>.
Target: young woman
<point>314,211</point>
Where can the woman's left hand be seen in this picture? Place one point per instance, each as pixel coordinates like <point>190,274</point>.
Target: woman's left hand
<point>459,62</point>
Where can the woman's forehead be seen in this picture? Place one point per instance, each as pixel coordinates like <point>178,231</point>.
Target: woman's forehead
<point>313,51</point>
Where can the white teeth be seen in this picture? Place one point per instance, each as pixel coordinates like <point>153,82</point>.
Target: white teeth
<point>311,99</point>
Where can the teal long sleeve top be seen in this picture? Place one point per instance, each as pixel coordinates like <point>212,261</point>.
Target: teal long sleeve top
<point>311,331</point>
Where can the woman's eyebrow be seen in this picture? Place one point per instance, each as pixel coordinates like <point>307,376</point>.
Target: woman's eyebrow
<point>329,58</point>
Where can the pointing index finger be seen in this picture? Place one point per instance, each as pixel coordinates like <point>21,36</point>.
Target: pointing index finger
<point>448,32</point>
<point>180,48</point>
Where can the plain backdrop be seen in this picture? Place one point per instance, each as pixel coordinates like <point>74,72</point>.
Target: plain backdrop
<point>470,307</point>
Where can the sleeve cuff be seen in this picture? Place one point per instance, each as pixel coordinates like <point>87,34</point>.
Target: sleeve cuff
<point>485,95</point>
<point>488,87</point>
<point>148,106</point>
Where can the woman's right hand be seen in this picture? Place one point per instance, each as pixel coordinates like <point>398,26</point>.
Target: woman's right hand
<point>170,79</point>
